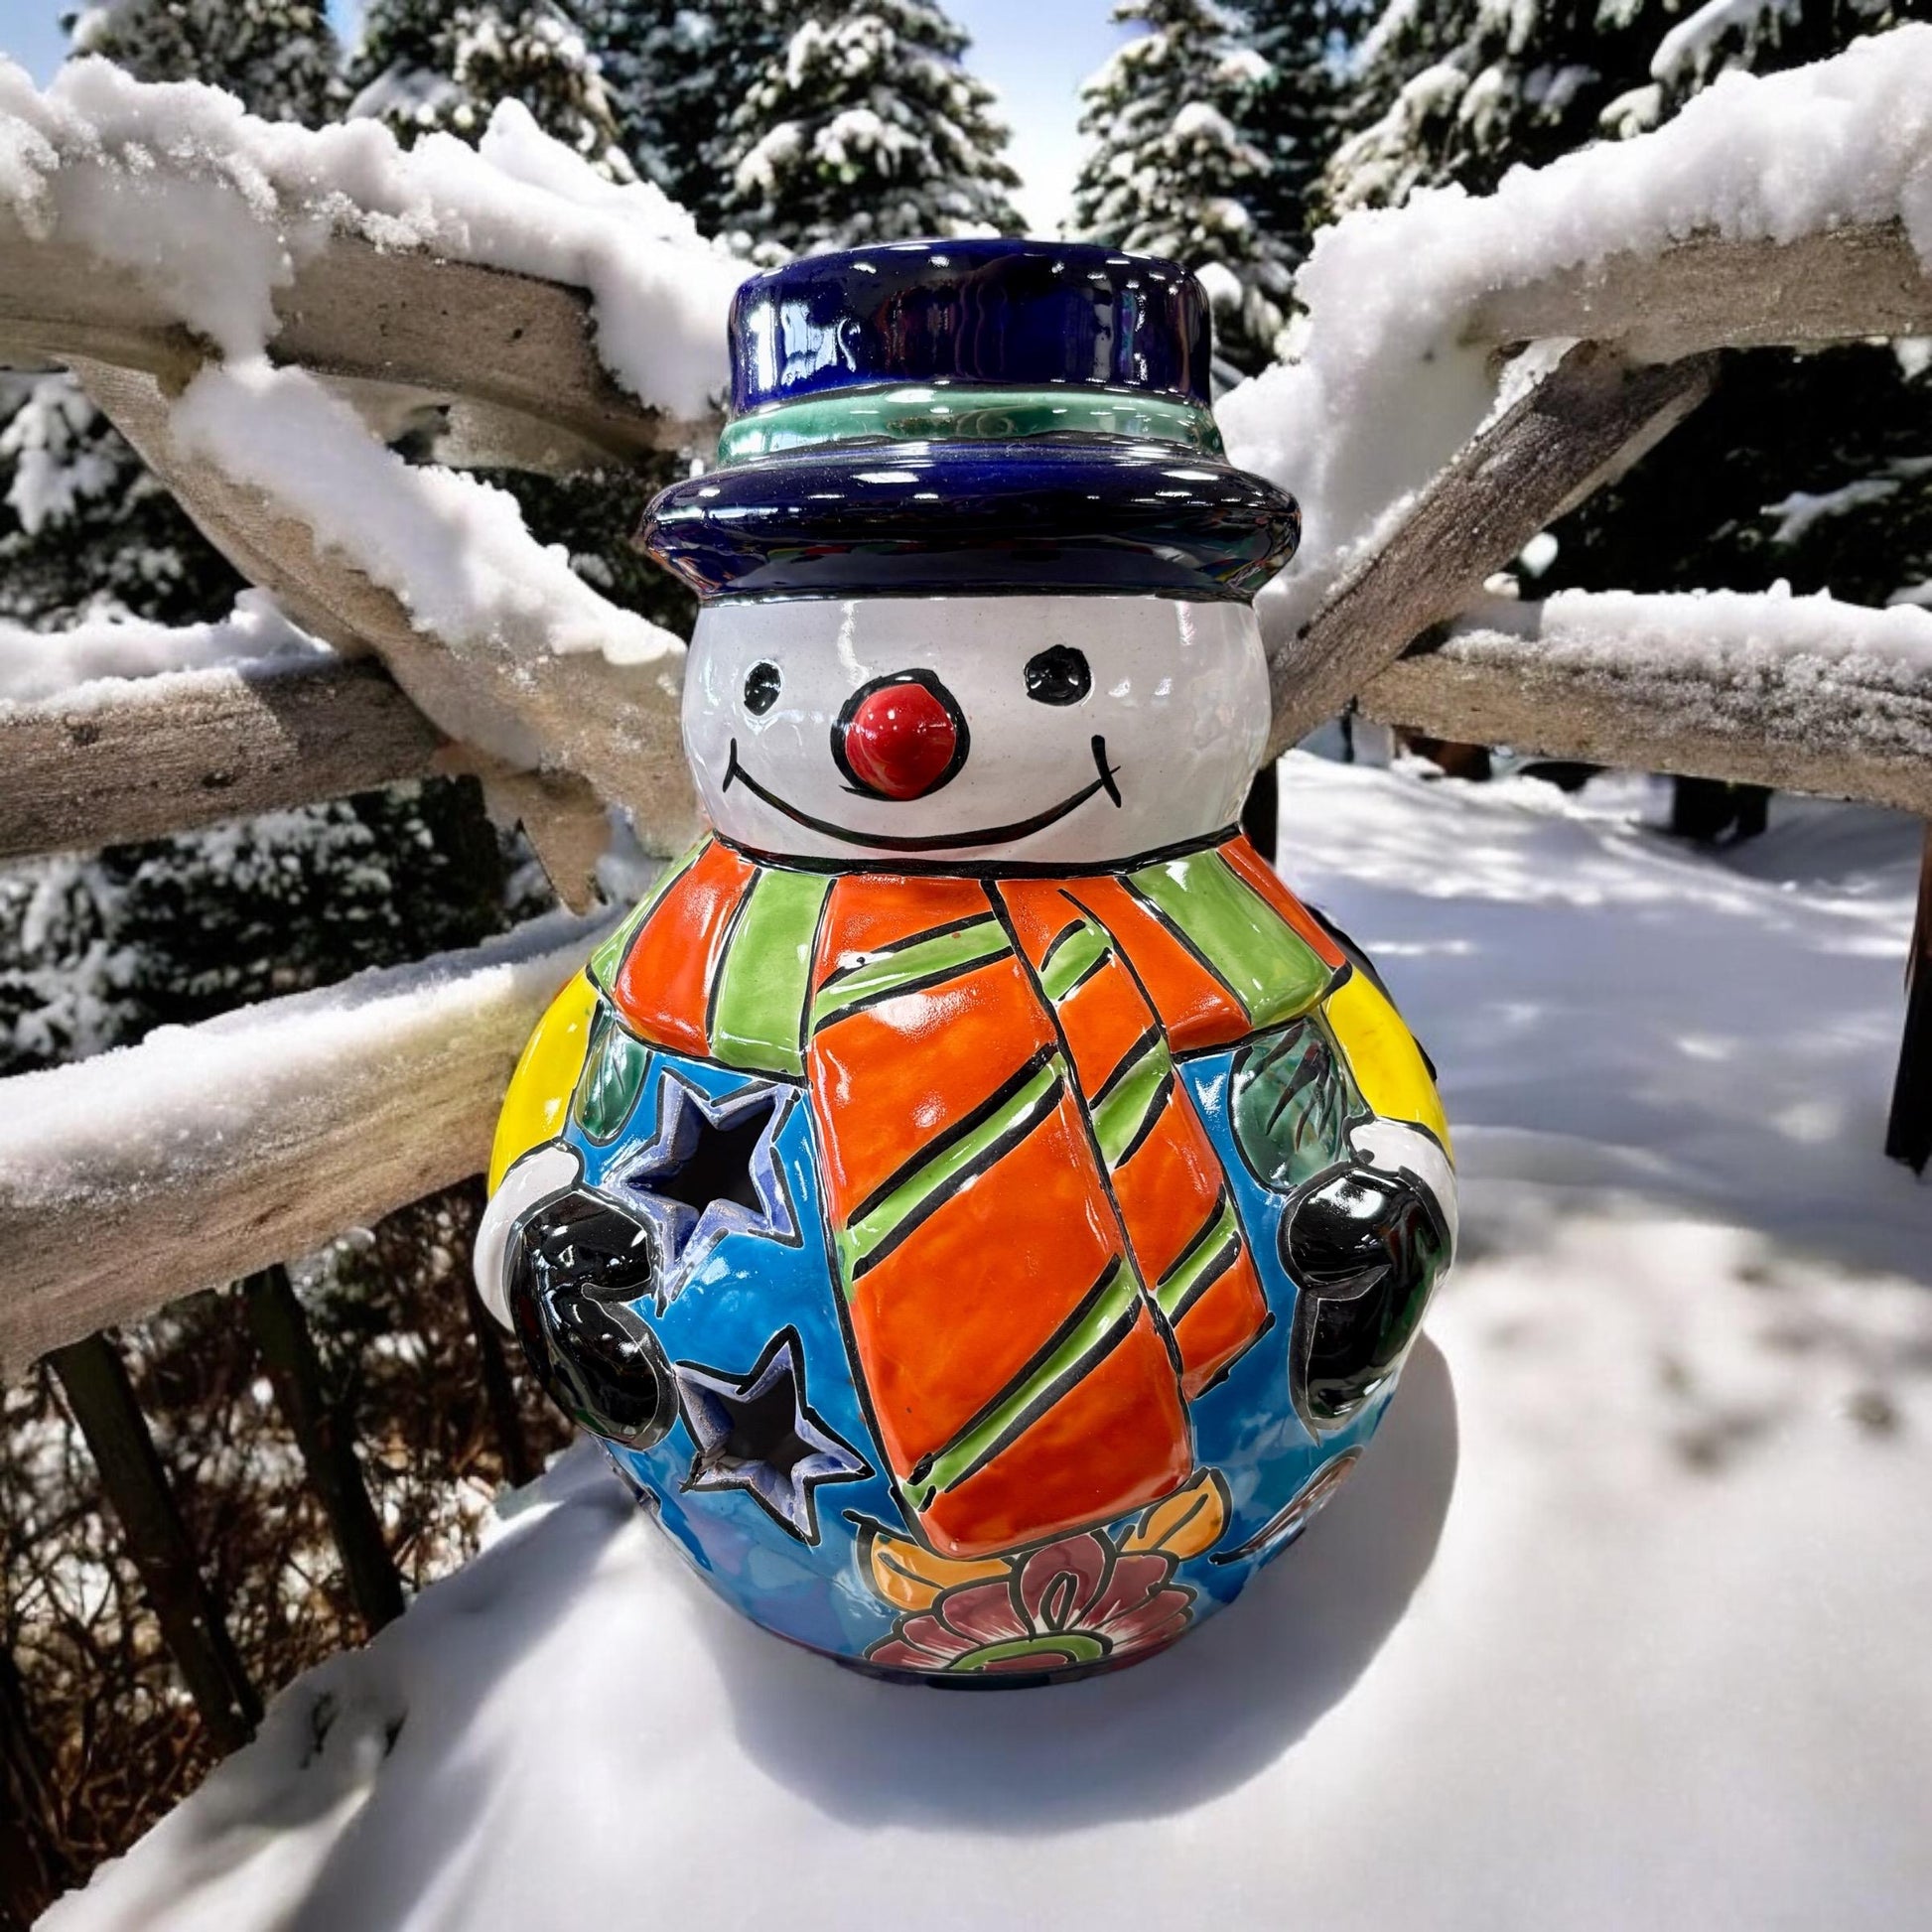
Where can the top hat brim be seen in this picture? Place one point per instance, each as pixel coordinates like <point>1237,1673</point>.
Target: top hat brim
<point>1067,516</point>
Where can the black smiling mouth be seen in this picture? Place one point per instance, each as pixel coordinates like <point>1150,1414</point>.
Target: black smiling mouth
<point>939,841</point>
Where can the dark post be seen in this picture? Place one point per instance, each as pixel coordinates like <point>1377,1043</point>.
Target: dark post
<point>1910,1136</point>
<point>101,1397</point>
<point>323,1435</point>
<point>33,1865</point>
<point>1261,815</point>
<point>499,1394</point>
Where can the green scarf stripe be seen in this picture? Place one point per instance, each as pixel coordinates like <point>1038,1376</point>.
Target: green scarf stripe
<point>1200,1264</point>
<point>1266,964</point>
<point>1071,960</point>
<point>609,957</point>
<point>894,971</point>
<point>1118,1119</point>
<point>766,973</point>
<point>919,1192</point>
<point>1097,1326</point>
<point>967,413</point>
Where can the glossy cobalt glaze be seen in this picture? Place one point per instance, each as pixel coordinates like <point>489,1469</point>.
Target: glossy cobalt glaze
<point>981,1210</point>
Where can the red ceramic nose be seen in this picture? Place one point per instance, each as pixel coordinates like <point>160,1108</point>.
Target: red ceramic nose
<point>901,740</point>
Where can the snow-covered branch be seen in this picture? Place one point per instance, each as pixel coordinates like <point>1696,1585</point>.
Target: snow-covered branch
<point>1591,418</point>
<point>491,636</point>
<point>1799,692</point>
<point>207,1151</point>
<point>141,224</point>
<point>1691,236</point>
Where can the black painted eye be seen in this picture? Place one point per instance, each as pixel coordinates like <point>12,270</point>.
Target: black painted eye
<point>761,689</point>
<point>1059,675</point>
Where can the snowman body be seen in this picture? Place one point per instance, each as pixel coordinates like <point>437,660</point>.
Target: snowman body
<point>980,1210</point>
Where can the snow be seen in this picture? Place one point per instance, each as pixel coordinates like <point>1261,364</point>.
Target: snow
<point>185,1094</point>
<point>213,210</point>
<point>452,548</point>
<point>1684,52</point>
<point>36,665</point>
<point>1386,391</point>
<point>1624,1622</point>
<point>1658,635</point>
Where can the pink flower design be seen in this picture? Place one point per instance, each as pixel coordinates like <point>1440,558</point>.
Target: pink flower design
<point>1073,1604</point>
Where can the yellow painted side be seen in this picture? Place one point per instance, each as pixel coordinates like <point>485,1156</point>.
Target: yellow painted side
<point>1382,1053</point>
<point>545,1077</point>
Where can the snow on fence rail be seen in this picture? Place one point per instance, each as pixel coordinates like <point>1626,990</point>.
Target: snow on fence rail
<point>280,299</point>
<point>210,1151</point>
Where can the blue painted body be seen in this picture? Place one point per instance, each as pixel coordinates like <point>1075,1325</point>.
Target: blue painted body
<point>751,1286</point>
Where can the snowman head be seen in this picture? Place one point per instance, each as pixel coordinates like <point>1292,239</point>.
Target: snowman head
<point>974,730</point>
<point>975,572</point>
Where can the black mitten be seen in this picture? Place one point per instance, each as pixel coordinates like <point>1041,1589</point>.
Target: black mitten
<point>574,1264</point>
<point>1366,1247</point>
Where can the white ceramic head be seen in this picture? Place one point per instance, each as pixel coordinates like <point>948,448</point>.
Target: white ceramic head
<point>1051,728</point>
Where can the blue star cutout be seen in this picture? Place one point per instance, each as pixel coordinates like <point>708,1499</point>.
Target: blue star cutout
<point>755,1431</point>
<point>711,1169</point>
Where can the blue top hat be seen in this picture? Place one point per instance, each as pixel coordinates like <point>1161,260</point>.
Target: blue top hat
<point>989,415</point>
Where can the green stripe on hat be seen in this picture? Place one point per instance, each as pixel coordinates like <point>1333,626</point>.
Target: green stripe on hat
<point>1207,1257</point>
<point>967,413</point>
<point>1268,966</point>
<point>766,974</point>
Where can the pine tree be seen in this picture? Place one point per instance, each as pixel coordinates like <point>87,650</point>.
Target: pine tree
<point>279,56</point>
<point>1816,468</point>
<point>1172,169</point>
<point>95,950</point>
<point>442,65</point>
<point>1297,115</point>
<point>865,127</point>
<point>670,71</point>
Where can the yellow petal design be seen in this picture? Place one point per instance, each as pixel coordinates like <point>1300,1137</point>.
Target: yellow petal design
<point>545,1077</point>
<point>1186,1523</point>
<point>1383,1055</point>
<point>910,1575</point>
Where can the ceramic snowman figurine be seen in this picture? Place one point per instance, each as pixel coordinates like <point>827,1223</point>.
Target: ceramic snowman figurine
<point>981,1211</point>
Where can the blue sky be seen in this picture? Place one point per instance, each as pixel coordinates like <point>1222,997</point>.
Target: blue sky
<point>1034,52</point>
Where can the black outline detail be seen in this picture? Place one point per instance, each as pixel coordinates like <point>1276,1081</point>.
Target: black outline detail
<point>928,682</point>
<point>882,953</point>
<point>989,1155</point>
<point>1187,944</point>
<point>760,700</point>
<point>1154,1035</point>
<point>1061,1385</point>
<point>982,869</point>
<point>1199,1239</point>
<point>787,1342</point>
<point>723,957</point>
<point>1295,1515</point>
<point>926,841</point>
<point>920,983</point>
<point>1039,671</point>
<point>1209,1276</point>
<point>1162,1096</point>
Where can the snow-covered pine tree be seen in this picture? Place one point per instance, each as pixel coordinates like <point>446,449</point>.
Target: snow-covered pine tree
<point>670,72</point>
<point>1297,114</point>
<point>279,56</point>
<point>95,950</point>
<point>1813,468</point>
<point>441,65</point>
<point>864,126</point>
<point>1173,171</point>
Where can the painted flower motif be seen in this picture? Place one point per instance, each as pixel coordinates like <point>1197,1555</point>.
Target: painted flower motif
<point>1073,1604</point>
